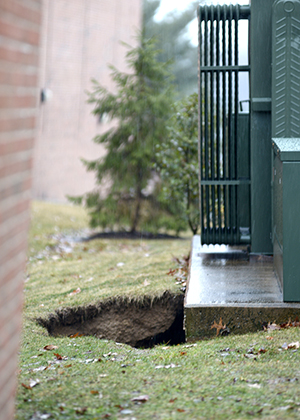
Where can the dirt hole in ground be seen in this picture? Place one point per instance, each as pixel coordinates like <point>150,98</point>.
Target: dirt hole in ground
<point>140,323</point>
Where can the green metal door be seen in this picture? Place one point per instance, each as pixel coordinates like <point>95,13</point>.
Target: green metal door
<point>224,132</point>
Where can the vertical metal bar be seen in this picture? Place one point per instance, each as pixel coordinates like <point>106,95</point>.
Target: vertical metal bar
<point>218,119</point>
<point>231,218</point>
<point>224,160</point>
<point>212,125</point>
<point>206,119</point>
<point>236,112</point>
<point>200,116</point>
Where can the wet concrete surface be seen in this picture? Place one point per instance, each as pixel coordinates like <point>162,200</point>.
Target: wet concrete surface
<point>231,284</point>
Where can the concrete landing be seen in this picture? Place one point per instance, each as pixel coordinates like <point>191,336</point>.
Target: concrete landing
<point>228,283</point>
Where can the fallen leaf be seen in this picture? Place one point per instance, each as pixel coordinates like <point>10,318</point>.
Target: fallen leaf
<point>254,386</point>
<point>32,384</point>
<point>140,399</point>
<point>76,335</point>
<point>285,408</point>
<point>183,353</point>
<point>94,392</point>
<point>219,326</point>
<point>50,347</point>
<point>78,290</point>
<point>26,386</point>
<point>293,345</point>
<point>250,356</point>
<point>146,282</point>
<point>171,366</point>
<point>40,368</point>
<point>260,411</point>
<point>81,410</point>
<point>272,327</point>
<point>180,410</point>
<point>58,356</point>
<point>40,416</point>
<point>172,400</point>
<point>269,338</point>
<point>172,272</point>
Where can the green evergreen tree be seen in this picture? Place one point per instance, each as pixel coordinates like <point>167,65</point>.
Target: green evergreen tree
<point>171,33</point>
<point>140,108</point>
<point>177,161</point>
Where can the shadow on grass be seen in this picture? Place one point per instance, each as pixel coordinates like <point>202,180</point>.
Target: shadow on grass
<point>129,235</point>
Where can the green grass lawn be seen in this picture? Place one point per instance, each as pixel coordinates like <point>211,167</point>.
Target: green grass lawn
<point>234,377</point>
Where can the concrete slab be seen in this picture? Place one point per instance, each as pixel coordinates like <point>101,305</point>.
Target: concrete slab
<point>228,283</point>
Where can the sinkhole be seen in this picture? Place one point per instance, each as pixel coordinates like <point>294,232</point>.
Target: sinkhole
<point>143,322</point>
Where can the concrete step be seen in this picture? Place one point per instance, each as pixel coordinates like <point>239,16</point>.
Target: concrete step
<point>240,288</point>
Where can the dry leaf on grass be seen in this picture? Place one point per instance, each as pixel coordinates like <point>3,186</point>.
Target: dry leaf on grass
<point>272,327</point>
<point>289,324</point>
<point>171,366</point>
<point>40,416</point>
<point>40,368</point>
<point>81,410</point>
<point>294,345</point>
<point>32,384</point>
<point>50,347</point>
<point>78,290</point>
<point>26,386</point>
<point>140,399</point>
<point>59,356</point>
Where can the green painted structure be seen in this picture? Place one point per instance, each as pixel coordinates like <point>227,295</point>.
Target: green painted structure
<point>250,163</point>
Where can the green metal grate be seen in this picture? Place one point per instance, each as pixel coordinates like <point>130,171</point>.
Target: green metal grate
<point>224,143</point>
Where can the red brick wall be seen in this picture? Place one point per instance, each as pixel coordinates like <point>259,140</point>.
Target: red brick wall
<point>80,38</point>
<point>19,57</point>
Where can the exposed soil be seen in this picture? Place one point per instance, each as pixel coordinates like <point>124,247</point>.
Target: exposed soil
<point>139,323</point>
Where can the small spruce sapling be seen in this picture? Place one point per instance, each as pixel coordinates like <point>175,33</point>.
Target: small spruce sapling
<point>139,110</point>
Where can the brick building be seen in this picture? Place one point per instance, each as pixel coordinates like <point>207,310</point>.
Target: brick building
<point>20,22</point>
<point>80,38</point>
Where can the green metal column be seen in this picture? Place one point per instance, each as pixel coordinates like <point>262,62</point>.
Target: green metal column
<point>286,143</point>
<point>286,69</point>
<point>260,92</point>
